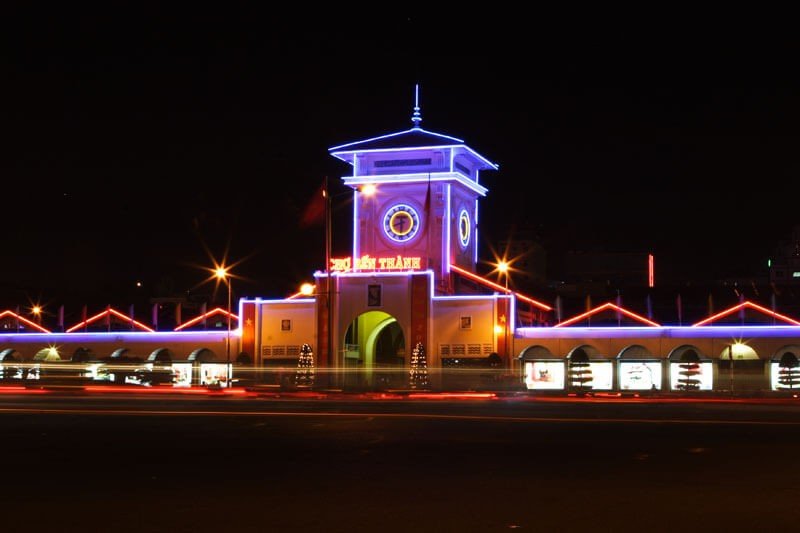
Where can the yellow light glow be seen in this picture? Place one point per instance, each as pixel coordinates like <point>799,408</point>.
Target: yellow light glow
<point>498,329</point>
<point>36,310</point>
<point>307,289</point>
<point>221,272</point>
<point>503,267</point>
<point>369,189</point>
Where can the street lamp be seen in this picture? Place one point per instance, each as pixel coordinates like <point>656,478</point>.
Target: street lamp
<point>222,274</point>
<point>36,310</point>
<point>503,268</point>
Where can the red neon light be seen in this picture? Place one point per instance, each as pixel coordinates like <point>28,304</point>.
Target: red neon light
<point>295,295</point>
<point>751,305</point>
<point>215,311</point>
<point>493,285</point>
<point>604,307</point>
<point>24,321</point>
<point>651,271</point>
<point>114,312</point>
<point>452,396</point>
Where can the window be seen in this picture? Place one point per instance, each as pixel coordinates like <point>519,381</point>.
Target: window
<point>373,295</point>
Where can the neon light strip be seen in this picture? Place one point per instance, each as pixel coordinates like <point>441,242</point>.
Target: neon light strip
<point>751,305</point>
<point>513,314</point>
<point>651,271</point>
<point>487,164</point>
<point>355,223</point>
<point>492,284</point>
<point>452,159</point>
<point>355,181</point>
<point>465,297</point>
<point>390,135</point>
<point>118,336</point>
<point>475,237</point>
<point>215,311</point>
<point>294,296</point>
<point>106,313</point>
<point>284,301</point>
<point>24,320</point>
<point>724,333</point>
<point>447,225</point>
<point>604,307</point>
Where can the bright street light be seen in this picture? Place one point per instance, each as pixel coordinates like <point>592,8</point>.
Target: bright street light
<point>222,274</point>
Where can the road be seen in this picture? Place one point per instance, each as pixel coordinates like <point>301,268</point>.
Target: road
<point>123,463</point>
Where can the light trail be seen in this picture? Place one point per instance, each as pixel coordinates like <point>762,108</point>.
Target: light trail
<point>410,416</point>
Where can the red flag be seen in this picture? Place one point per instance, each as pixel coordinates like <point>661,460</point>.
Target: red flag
<point>314,212</point>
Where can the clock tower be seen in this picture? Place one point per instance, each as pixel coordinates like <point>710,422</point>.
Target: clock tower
<point>415,201</point>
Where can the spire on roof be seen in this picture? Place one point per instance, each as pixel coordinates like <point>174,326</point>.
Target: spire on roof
<point>416,117</point>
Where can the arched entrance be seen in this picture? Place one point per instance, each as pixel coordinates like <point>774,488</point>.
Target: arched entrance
<point>375,351</point>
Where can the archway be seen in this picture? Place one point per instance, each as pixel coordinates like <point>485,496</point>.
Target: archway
<point>374,351</point>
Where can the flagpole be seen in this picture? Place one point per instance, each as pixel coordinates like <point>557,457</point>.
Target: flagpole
<point>328,282</point>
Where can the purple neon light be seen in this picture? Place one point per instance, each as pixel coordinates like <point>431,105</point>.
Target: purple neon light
<point>447,223</point>
<point>355,223</point>
<point>417,177</point>
<point>390,135</point>
<point>487,164</point>
<point>643,332</point>
<point>116,336</point>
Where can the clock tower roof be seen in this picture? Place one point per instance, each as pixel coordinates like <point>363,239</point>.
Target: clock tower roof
<point>410,139</point>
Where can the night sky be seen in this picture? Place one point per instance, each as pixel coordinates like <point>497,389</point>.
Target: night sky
<point>136,140</point>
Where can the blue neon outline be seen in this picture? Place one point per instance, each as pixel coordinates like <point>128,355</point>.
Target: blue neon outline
<point>487,164</point>
<point>355,181</point>
<point>154,335</point>
<point>659,332</point>
<point>355,223</point>
<point>390,135</point>
<point>448,222</point>
<point>464,214</point>
<point>475,240</point>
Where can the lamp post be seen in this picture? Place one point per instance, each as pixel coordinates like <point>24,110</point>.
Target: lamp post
<point>222,274</point>
<point>37,312</point>
<point>503,267</point>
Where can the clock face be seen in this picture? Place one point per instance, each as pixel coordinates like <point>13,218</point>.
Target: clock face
<point>464,228</point>
<point>401,223</point>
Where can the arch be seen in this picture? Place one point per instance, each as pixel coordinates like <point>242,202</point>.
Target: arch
<point>9,355</point>
<point>635,352</point>
<point>160,355</point>
<point>585,349</point>
<point>202,355</point>
<point>537,351</point>
<point>372,338</point>
<point>120,353</point>
<point>793,348</point>
<point>81,355</point>
<point>677,354</point>
<point>47,355</point>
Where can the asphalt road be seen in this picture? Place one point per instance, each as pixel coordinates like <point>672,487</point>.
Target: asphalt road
<point>89,463</point>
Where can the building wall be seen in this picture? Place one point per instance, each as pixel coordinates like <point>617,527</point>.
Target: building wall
<point>284,327</point>
<point>450,339</point>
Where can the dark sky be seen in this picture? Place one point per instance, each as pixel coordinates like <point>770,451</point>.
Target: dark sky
<point>135,138</point>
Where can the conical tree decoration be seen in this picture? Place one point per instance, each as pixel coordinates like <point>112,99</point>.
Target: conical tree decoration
<point>305,367</point>
<point>418,375</point>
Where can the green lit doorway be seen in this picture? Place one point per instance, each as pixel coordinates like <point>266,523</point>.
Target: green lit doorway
<point>374,352</point>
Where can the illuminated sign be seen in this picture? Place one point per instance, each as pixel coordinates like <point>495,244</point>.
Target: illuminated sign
<point>640,375</point>
<point>700,378</point>
<point>543,375</point>
<point>365,262</point>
